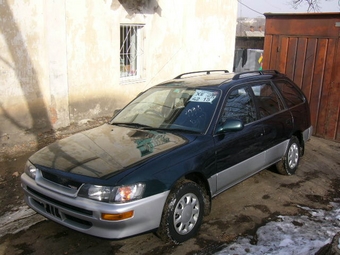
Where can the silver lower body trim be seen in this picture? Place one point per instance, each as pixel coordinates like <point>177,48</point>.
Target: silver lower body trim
<point>243,170</point>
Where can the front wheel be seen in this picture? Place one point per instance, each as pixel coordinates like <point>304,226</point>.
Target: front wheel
<point>290,161</point>
<point>183,213</point>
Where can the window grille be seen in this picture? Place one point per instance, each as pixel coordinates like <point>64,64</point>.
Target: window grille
<point>131,51</point>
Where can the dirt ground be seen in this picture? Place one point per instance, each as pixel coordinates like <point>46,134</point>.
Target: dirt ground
<point>240,210</point>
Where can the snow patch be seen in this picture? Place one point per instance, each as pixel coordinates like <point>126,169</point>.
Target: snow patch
<point>23,218</point>
<point>300,235</point>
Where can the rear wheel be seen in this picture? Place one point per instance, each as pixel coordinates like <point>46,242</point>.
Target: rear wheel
<point>183,213</point>
<point>291,159</point>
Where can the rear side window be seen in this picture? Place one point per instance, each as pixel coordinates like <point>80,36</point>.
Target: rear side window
<point>290,93</point>
<point>267,99</point>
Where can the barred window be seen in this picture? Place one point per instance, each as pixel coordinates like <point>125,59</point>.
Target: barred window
<point>131,51</point>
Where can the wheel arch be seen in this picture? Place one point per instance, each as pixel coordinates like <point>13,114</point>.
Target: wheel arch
<point>299,136</point>
<point>199,179</point>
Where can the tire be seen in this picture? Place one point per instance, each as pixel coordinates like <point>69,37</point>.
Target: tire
<point>290,161</point>
<point>183,213</point>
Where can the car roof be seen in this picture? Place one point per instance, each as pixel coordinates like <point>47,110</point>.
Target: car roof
<point>218,78</point>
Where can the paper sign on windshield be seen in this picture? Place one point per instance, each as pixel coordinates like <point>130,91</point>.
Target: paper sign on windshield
<point>203,96</point>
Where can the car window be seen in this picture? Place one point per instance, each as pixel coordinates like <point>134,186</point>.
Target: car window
<point>290,93</point>
<point>267,99</point>
<point>239,105</point>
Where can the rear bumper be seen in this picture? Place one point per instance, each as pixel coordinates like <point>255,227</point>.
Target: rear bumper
<point>84,214</point>
<point>307,133</point>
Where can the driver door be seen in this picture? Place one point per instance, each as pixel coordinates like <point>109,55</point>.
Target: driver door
<point>239,153</point>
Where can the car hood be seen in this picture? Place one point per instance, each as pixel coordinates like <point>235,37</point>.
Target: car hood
<point>105,150</point>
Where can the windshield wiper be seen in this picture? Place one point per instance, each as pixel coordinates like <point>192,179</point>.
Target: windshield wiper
<point>177,129</point>
<point>146,127</point>
<point>127,124</point>
<point>184,130</point>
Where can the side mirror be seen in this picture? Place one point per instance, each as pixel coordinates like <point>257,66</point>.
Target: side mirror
<point>231,125</point>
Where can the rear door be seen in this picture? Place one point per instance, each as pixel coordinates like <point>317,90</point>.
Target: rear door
<point>276,119</point>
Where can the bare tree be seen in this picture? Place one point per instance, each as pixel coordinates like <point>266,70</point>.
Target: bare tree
<point>313,5</point>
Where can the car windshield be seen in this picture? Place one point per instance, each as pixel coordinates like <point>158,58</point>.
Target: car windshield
<point>187,109</point>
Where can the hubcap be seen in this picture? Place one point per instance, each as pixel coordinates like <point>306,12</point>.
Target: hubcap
<point>186,214</point>
<point>293,156</point>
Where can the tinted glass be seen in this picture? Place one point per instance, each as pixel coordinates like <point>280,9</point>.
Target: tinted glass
<point>267,99</point>
<point>239,105</point>
<point>290,93</point>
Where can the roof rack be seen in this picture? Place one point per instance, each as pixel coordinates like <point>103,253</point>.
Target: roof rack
<point>253,73</point>
<point>197,72</point>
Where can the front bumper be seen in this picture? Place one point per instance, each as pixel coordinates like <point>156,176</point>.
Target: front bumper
<point>84,214</point>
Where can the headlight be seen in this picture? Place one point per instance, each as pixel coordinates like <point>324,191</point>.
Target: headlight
<point>30,170</point>
<point>109,194</point>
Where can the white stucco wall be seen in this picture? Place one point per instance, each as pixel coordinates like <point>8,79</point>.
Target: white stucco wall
<point>24,93</point>
<point>59,60</point>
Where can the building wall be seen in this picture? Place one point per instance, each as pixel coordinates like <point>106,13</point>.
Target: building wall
<point>59,60</point>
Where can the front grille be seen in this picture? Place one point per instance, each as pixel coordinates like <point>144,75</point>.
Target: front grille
<point>61,180</point>
<point>52,210</point>
<point>55,212</point>
<point>61,204</point>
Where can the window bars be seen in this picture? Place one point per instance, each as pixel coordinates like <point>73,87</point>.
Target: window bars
<point>131,51</point>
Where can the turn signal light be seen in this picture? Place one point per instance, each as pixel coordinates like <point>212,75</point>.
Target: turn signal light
<point>118,216</point>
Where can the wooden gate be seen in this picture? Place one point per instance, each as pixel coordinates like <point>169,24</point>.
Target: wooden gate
<point>306,47</point>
